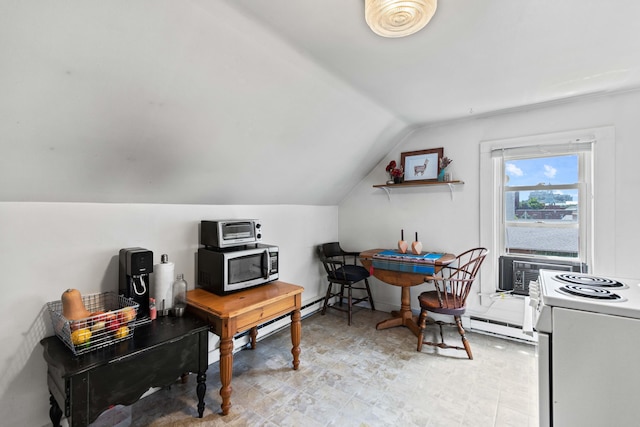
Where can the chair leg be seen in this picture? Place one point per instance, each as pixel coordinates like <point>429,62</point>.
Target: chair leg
<point>466,344</point>
<point>326,299</point>
<point>366,284</point>
<point>341,294</point>
<point>422,323</point>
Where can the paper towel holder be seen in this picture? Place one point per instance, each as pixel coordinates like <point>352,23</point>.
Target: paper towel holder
<point>163,291</point>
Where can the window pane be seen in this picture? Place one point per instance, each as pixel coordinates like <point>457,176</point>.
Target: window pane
<point>542,171</point>
<point>543,219</point>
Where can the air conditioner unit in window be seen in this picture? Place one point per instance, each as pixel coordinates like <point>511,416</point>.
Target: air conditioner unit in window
<point>516,272</point>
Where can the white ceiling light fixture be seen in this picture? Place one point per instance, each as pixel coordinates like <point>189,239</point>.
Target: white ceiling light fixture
<point>398,18</point>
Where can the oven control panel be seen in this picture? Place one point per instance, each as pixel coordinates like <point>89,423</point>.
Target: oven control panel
<point>541,313</point>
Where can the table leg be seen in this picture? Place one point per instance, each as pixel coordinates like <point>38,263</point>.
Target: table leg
<point>253,334</point>
<point>296,332</point>
<point>55,413</point>
<point>404,317</point>
<point>226,370</point>
<point>201,388</point>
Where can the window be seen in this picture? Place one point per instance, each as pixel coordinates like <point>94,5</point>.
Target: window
<point>542,203</point>
<point>514,168</point>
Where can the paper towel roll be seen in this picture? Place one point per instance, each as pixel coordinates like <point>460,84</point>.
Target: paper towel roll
<point>162,280</point>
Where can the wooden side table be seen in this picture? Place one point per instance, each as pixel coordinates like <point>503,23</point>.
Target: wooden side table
<point>245,310</point>
<point>405,280</point>
<point>82,387</point>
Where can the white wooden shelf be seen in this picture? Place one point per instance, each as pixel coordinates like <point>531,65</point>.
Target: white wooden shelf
<point>388,187</point>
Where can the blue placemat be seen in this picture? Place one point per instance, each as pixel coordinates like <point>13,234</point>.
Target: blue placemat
<point>385,264</point>
<point>425,257</point>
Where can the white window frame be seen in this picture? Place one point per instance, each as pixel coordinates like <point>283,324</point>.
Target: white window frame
<point>599,199</point>
<point>584,150</point>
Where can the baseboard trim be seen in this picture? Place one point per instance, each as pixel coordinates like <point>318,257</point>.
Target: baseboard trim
<point>501,329</point>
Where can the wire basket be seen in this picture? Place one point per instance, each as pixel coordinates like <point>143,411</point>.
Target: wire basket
<point>112,321</point>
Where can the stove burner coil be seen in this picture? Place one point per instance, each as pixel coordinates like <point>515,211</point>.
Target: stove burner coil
<point>590,292</point>
<point>586,280</point>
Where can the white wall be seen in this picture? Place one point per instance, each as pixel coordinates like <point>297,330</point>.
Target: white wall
<point>49,247</point>
<point>368,219</point>
<point>173,102</point>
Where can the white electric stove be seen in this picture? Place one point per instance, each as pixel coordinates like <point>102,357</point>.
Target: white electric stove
<point>588,348</point>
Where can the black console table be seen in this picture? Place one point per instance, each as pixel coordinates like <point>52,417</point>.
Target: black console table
<point>158,354</point>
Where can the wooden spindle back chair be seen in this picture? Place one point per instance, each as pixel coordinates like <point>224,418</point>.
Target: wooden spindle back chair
<point>452,287</point>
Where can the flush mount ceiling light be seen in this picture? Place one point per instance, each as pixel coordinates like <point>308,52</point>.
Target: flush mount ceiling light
<point>398,18</point>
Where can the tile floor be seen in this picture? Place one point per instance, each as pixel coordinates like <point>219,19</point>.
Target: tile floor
<point>359,376</point>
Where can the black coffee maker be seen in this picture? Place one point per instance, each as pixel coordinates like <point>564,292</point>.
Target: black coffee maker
<point>135,266</point>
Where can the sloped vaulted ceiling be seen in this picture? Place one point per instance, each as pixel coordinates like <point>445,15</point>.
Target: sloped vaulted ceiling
<point>279,101</point>
<point>474,57</point>
<point>173,102</point>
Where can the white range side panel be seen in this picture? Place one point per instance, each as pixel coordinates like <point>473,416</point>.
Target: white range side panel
<point>594,366</point>
<point>544,374</point>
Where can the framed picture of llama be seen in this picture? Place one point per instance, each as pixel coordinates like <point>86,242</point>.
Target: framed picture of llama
<point>421,165</point>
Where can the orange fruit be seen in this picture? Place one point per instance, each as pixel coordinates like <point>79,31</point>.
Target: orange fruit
<point>122,332</point>
<point>80,336</point>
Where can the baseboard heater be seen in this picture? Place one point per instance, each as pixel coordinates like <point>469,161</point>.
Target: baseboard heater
<point>502,329</point>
